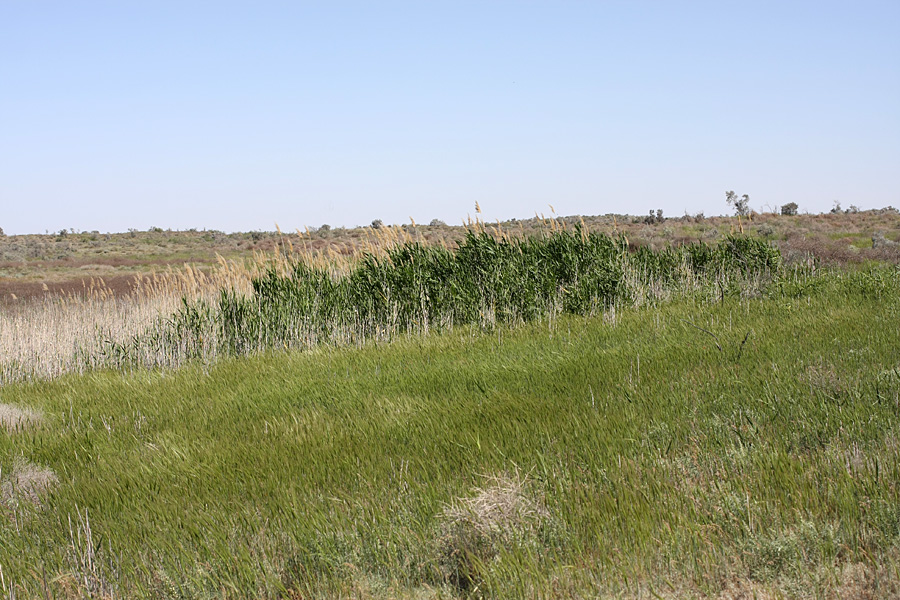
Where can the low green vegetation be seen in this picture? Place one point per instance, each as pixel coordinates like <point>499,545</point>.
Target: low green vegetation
<point>741,437</point>
<point>488,280</point>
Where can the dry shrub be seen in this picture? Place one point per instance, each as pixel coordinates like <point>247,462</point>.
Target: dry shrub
<point>25,481</point>
<point>14,418</point>
<point>504,515</point>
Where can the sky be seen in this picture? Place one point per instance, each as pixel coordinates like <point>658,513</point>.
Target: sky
<point>239,115</point>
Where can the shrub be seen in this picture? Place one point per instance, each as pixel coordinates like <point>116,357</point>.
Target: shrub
<point>789,209</point>
<point>656,217</point>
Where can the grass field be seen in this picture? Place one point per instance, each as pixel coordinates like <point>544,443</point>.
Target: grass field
<point>734,446</point>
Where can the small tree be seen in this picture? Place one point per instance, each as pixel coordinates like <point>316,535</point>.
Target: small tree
<point>377,224</point>
<point>654,217</point>
<point>741,205</point>
<point>789,209</point>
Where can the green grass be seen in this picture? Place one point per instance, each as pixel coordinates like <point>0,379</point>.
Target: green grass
<point>658,459</point>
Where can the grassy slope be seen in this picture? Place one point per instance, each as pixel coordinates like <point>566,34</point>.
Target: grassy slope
<point>662,462</point>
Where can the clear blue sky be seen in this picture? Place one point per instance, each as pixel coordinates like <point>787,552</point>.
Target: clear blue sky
<point>238,115</point>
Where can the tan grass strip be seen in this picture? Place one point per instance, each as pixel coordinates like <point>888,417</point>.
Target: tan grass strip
<point>13,418</point>
<point>26,481</point>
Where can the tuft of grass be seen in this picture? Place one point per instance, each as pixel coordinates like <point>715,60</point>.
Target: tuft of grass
<point>500,518</point>
<point>15,418</point>
<point>24,481</point>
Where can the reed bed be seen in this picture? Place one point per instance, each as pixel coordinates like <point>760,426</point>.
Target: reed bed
<point>302,297</point>
<point>56,334</point>
<point>408,288</point>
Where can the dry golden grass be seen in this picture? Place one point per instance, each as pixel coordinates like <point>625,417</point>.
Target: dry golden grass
<point>26,481</point>
<point>55,333</point>
<point>14,418</point>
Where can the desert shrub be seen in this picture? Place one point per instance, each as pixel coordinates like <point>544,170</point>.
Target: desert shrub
<point>654,217</point>
<point>789,209</point>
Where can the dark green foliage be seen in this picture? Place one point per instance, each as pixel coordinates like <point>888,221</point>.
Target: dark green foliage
<point>486,281</point>
<point>789,209</point>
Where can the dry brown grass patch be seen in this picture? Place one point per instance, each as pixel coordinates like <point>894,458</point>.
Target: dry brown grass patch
<point>504,515</point>
<point>14,418</point>
<point>25,481</point>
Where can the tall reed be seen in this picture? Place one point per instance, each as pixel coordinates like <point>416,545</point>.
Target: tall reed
<point>300,298</point>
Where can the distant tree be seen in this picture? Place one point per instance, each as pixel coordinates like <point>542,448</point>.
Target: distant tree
<point>437,223</point>
<point>741,204</point>
<point>654,217</point>
<point>789,209</point>
<point>377,224</point>
<point>325,227</point>
<point>1,232</point>
<point>836,209</point>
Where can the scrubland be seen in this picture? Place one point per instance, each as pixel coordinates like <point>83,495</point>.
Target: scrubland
<point>566,415</point>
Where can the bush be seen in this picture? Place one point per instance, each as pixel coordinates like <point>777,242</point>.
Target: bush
<point>656,217</point>
<point>789,209</point>
<point>377,224</point>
